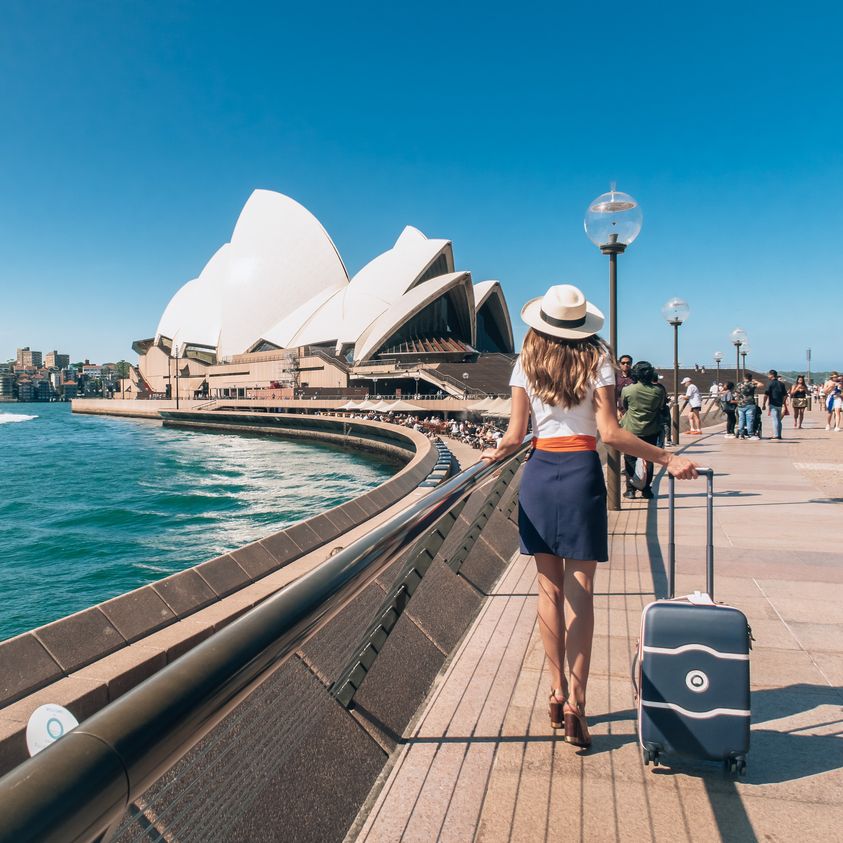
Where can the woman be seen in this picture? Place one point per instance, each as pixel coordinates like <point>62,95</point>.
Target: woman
<point>799,401</point>
<point>833,401</point>
<point>565,379</point>
<point>730,408</point>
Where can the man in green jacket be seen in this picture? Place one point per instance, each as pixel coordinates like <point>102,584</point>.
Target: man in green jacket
<point>643,401</point>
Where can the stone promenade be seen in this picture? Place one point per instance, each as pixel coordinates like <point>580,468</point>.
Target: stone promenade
<point>481,762</point>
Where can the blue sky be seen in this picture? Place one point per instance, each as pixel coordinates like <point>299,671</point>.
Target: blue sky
<point>133,133</point>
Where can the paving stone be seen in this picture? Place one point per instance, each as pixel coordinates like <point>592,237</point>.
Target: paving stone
<point>25,666</point>
<point>138,613</point>
<point>185,592</point>
<point>255,559</point>
<point>123,670</point>
<point>282,547</point>
<point>79,639</point>
<point>223,575</point>
<point>304,536</point>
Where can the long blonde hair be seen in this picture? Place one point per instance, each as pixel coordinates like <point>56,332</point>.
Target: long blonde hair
<point>560,371</point>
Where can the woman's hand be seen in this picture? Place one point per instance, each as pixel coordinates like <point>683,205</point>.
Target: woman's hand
<point>681,468</point>
<point>491,454</point>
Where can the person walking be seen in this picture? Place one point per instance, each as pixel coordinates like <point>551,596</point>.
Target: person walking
<point>799,401</point>
<point>623,379</point>
<point>729,406</point>
<point>747,407</point>
<point>832,395</point>
<point>643,402</point>
<point>694,400</point>
<point>564,380</point>
<point>776,395</point>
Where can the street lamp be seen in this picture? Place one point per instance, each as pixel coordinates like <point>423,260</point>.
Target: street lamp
<point>612,221</point>
<point>738,338</point>
<point>675,312</point>
<point>745,349</point>
<point>465,385</point>
<point>718,359</point>
<point>176,355</point>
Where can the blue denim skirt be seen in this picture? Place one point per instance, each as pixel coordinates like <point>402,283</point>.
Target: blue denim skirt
<point>562,506</point>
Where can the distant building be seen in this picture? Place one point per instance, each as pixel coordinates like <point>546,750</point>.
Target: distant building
<point>28,359</point>
<point>69,390</point>
<point>54,360</point>
<point>7,387</point>
<point>26,391</point>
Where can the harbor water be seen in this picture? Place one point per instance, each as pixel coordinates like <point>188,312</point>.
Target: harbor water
<point>92,507</point>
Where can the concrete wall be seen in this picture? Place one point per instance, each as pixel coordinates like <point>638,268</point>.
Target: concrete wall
<point>291,763</point>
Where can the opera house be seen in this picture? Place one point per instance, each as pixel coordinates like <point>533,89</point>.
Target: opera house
<point>275,314</point>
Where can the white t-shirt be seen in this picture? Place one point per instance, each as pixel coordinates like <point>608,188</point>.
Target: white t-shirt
<point>549,420</point>
<point>693,396</point>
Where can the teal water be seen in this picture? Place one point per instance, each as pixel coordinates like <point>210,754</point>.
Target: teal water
<point>92,507</point>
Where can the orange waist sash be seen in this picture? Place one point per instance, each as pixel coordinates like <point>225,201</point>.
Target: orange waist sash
<point>566,443</point>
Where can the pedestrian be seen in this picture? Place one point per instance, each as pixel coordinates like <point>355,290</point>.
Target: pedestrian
<point>565,380</point>
<point>832,394</point>
<point>747,407</point>
<point>776,395</point>
<point>623,379</point>
<point>643,403</point>
<point>693,399</point>
<point>799,401</point>
<point>665,439</point>
<point>729,406</point>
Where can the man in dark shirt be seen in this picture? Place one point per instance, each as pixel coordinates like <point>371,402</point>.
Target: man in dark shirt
<point>643,402</point>
<point>622,379</point>
<point>776,394</point>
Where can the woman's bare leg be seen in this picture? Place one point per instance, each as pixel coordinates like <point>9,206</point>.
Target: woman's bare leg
<point>551,619</point>
<point>579,623</point>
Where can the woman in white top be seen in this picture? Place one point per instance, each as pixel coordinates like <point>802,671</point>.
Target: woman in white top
<point>565,380</point>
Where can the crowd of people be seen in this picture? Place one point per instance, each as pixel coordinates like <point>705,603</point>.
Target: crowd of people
<point>644,408</point>
<point>476,434</point>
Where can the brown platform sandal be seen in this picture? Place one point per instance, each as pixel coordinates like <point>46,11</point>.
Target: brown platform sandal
<point>576,726</point>
<point>554,709</point>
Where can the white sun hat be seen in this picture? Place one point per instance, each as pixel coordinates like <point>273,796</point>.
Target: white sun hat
<point>686,380</point>
<point>563,312</point>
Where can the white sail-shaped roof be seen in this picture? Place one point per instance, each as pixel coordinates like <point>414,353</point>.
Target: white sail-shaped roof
<point>412,303</point>
<point>485,292</point>
<point>194,314</point>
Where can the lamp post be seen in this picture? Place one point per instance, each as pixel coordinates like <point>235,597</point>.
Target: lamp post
<point>810,382</point>
<point>745,349</point>
<point>718,358</point>
<point>465,385</point>
<point>675,312</point>
<point>176,355</point>
<point>612,221</point>
<point>738,338</point>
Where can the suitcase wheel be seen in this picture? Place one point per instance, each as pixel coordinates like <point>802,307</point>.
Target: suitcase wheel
<point>650,755</point>
<point>735,766</point>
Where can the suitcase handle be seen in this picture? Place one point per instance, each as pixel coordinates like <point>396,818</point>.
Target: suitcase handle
<point>671,534</point>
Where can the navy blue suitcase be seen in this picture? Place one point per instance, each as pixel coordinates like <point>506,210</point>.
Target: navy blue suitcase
<point>691,672</point>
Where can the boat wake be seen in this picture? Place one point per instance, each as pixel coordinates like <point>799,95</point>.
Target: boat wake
<point>10,418</point>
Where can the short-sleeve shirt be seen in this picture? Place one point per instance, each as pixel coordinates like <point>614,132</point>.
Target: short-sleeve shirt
<point>746,394</point>
<point>693,396</point>
<point>644,402</point>
<point>776,392</point>
<point>553,420</point>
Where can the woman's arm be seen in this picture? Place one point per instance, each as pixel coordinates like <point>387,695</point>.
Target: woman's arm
<point>511,441</point>
<point>616,437</point>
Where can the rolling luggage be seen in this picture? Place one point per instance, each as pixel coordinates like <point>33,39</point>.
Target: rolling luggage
<point>691,672</point>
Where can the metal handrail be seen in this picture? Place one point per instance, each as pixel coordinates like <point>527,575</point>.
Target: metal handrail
<point>79,787</point>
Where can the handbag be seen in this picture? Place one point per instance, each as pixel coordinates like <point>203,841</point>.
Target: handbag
<point>639,478</point>
<point>785,411</point>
